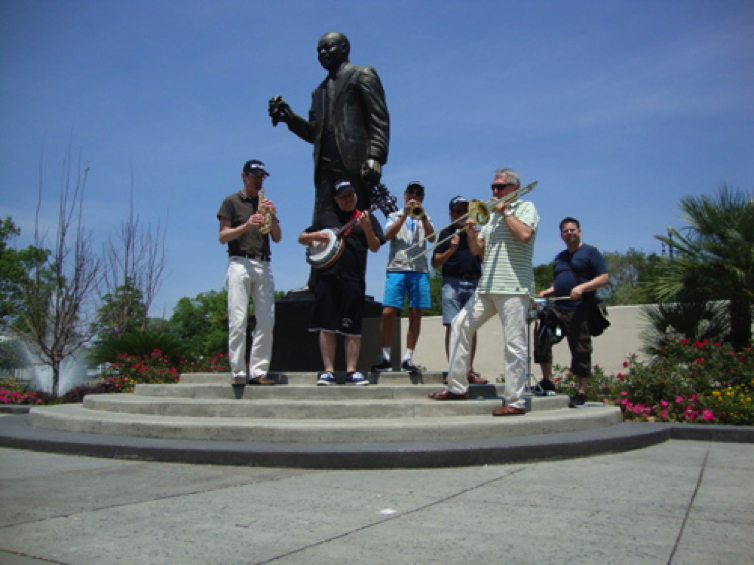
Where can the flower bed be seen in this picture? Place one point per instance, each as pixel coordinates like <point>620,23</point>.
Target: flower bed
<point>691,382</point>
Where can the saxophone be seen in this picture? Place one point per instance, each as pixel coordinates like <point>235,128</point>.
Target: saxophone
<point>269,218</point>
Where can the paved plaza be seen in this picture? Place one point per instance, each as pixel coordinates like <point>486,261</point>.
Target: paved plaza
<point>679,502</point>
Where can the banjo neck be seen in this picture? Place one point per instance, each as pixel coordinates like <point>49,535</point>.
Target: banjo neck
<point>342,229</point>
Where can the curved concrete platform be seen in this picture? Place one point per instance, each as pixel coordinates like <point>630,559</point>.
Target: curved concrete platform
<point>15,432</point>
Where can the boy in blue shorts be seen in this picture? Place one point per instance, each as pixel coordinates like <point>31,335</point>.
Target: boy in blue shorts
<point>407,274</point>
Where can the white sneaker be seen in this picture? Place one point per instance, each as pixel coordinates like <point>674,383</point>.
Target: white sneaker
<point>356,378</point>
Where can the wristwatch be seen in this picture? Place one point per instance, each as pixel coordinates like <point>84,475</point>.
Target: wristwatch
<point>508,214</point>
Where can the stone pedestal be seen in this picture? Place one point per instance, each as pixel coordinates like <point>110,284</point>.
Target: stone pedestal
<point>296,349</point>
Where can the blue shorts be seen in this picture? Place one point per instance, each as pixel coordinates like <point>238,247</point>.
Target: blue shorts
<point>400,283</point>
<point>455,294</point>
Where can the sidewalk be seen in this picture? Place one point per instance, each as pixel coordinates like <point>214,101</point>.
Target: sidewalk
<point>680,502</point>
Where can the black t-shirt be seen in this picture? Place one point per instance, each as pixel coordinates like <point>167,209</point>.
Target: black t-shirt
<point>463,261</point>
<point>238,208</point>
<point>352,264</point>
<point>588,263</point>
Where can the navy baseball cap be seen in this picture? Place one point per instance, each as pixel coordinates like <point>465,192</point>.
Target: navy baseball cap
<point>342,187</point>
<point>255,167</point>
<point>457,200</point>
<point>415,186</point>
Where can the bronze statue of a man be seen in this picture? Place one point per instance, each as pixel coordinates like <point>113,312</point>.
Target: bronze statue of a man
<point>348,125</point>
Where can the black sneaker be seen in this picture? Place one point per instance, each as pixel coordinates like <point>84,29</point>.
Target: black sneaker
<point>544,387</point>
<point>409,367</point>
<point>578,400</point>
<point>382,365</point>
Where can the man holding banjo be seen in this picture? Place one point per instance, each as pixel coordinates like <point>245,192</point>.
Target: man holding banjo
<point>341,282</point>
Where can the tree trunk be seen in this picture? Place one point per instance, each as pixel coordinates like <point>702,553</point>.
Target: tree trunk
<point>740,323</point>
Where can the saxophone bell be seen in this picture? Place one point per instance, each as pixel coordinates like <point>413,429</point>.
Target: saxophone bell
<point>269,218</point>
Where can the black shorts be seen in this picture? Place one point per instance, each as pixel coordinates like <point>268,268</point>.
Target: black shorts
<point>576,327</point>
<point>338,305</point>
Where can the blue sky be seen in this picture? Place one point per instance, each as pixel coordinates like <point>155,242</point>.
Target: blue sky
<point>617,108</point>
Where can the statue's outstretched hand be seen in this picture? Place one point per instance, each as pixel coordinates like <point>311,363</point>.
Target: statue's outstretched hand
<point>279,110</point>
<point>371,171</point>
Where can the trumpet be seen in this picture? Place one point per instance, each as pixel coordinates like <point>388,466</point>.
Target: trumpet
<point>417,212</point>
<point>479,212</point>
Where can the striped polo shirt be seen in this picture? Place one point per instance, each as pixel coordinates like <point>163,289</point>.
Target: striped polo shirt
<point>507,267</point>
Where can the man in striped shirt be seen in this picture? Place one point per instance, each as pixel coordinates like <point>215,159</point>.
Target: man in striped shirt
<point>505,245</point>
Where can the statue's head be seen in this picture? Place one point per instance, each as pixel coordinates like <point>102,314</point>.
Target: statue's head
<point>332,50</point>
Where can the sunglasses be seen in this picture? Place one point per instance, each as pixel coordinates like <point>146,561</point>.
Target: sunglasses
<point>496,187</point>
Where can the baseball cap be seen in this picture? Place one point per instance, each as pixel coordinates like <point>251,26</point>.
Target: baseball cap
<point>456,200</point>
<point>255,167</point>
<point>416,186</point>
<point>341,187</point>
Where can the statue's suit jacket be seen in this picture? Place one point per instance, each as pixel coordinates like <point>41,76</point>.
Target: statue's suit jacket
<point>360,118</point>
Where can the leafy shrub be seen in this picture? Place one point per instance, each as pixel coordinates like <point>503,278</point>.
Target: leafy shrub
<point>139,345</point>
<point>78,393</point>
<point>154,368</point>
<point>130,370</point>
<point>13,393</point>
<point>699,382</point>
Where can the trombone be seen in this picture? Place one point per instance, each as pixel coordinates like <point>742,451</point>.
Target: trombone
<point>479,212</point>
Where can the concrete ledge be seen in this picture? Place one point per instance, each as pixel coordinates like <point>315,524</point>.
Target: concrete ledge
<point>74,418</point>
<point>15,432</point>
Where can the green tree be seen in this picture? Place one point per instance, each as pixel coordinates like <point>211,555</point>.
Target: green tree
<point>122,312</point>
<point>542,276</point>
<point>202,322</point>
<point>631,276</point>
<point>14,270</point>
<point>714,257</point>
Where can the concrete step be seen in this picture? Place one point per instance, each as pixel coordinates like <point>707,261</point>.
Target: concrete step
<point>338,405</point>
<point>309,392</point>
<point>77,418</point>
<point>308,378</point>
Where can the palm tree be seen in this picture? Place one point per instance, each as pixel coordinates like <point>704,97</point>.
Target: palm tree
<point>714,257</point>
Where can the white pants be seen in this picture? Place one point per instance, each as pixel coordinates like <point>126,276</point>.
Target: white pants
<point>511,309</point>
<point>246,277</point>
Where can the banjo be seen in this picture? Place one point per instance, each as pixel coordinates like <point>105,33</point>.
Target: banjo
<point>322,254</point>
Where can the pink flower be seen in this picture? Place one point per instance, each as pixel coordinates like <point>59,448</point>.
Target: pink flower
<point>625,363</point>
<point>692,398</point>
<point>624,393</point>
<point>664,414</point>
<point>664,403</point>
<point>707,415</point>
<point>678,399</point>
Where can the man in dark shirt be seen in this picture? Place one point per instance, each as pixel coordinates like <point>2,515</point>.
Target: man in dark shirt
<point>340,287</point>
<point>461,270</point>
<point>247,222</point>
<point>579,271</point>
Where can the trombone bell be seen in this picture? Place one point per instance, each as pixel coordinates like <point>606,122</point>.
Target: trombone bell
<point>478,212</point>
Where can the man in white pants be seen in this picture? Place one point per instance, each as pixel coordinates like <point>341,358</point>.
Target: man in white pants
<point>506,245</point>
<point>247,231</point>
